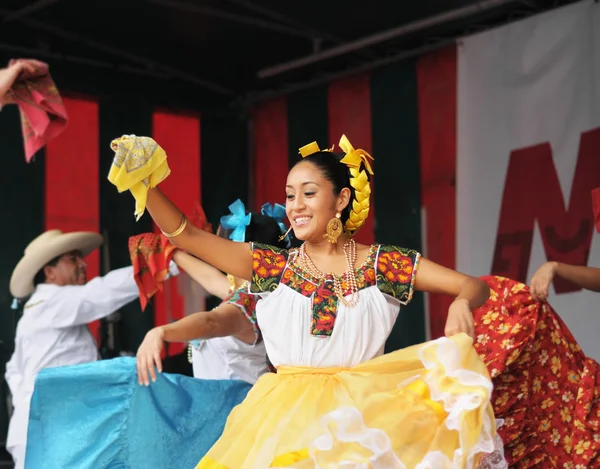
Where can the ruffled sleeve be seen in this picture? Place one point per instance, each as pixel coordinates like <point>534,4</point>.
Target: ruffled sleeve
<point>246,303</point>
<point>268,264</point>
<point>396,270</point>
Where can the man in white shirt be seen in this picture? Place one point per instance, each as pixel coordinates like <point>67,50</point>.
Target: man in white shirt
<point>53,329</point>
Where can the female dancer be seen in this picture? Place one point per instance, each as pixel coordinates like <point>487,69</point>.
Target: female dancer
<point>231,346</point>
<point>325,313</point>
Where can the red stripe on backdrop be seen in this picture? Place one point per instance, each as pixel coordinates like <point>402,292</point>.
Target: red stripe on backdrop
<point>437,83</point>
<point>271,164</point>
<point>349,110</point>
<point>72,178</point>
<point>179,135</point>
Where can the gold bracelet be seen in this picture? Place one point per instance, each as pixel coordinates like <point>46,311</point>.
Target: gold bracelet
<point>231,279</point>
<point>179,230</point>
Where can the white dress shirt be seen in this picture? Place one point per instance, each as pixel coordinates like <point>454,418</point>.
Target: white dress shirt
<point>53,332</point>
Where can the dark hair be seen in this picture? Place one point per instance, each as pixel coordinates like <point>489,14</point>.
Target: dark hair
<point>40,277</point>
<point>262,229</point>
<point>335,172</point>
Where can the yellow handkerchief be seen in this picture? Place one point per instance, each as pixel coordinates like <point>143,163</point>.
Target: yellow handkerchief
<point>140,164</point>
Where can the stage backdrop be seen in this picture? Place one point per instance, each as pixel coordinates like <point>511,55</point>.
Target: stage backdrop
<point>66,187</point>
<point>529,154</point>
<point>510,150</point>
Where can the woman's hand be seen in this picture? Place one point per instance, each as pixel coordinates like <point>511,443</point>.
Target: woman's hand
<point>9,74</point>
<point>460,319</point>
<point>178,254</point>
<point>148,355</point>
<point>541,280</point>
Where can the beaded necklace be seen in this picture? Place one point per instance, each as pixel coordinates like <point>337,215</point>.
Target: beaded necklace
<point>349,249</point>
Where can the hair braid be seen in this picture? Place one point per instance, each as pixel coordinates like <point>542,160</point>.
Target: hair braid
<point>361,201</point>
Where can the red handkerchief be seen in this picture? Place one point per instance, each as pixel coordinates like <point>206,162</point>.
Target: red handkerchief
<point>198,218</point>
<point>152,253</point>
<point>43,114</point>
<point>596,206</point>
<point>150,256</point>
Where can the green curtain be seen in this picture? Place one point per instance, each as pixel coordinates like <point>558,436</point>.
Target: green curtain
<point>121,115</point>
<point>397,194</point>
<point>224,163</point>
<point>224,168</point>
<point>307,120</point>
<point>22,215</point>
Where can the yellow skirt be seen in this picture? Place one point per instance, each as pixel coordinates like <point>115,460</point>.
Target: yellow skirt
<point>428,404</point>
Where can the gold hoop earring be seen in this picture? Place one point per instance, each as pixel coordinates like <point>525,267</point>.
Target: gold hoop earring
<point>334,229</point>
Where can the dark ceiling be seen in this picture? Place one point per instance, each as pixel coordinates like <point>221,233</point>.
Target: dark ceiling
<point>210,52</point>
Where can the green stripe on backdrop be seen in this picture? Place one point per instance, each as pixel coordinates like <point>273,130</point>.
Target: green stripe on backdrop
<point>397,195</point>
<point>224,164</point>
<point>22,215</point>
<point>123,115</point>
<point>224,168</point>
<point>307,121</point>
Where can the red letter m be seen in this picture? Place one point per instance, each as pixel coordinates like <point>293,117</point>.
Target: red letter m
<point>532,193</point>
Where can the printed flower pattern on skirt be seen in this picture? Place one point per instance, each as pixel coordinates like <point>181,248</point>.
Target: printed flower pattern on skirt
<point>545,389</point>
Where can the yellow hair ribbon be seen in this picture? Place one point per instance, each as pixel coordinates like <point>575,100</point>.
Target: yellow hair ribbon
<point>354,157</point>
<point>311,148</point>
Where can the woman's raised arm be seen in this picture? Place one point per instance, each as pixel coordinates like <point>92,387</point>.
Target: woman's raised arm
<point>225,255</point>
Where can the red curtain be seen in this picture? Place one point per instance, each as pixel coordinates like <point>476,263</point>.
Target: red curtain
<point>349,109</point>
<point>437,83</point>
<point>270,152</point>
<point>179,136</point>
<point>72,178</point>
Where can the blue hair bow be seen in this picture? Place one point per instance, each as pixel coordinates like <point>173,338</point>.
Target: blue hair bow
<point>277,212</point>
<point>237,221</point>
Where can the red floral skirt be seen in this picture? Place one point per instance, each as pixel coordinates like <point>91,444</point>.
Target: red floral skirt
<point>545,389</point>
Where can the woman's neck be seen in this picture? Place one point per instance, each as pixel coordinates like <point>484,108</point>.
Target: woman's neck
<point>325,248</point>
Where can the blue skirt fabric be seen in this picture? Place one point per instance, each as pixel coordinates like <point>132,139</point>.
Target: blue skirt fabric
<point>96,415</point>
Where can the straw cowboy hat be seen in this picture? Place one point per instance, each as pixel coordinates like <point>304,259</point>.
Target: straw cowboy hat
<point>43,249</point>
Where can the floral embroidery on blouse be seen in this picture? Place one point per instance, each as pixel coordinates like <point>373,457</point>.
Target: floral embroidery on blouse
<point>324,301</point>
<point>389,268</point>
<point>246,303</point>
<point>324,310</point>
<point>268,263</point>
<point>396,272</point>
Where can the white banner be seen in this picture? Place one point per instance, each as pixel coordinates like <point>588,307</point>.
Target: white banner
<point>528,154</point>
